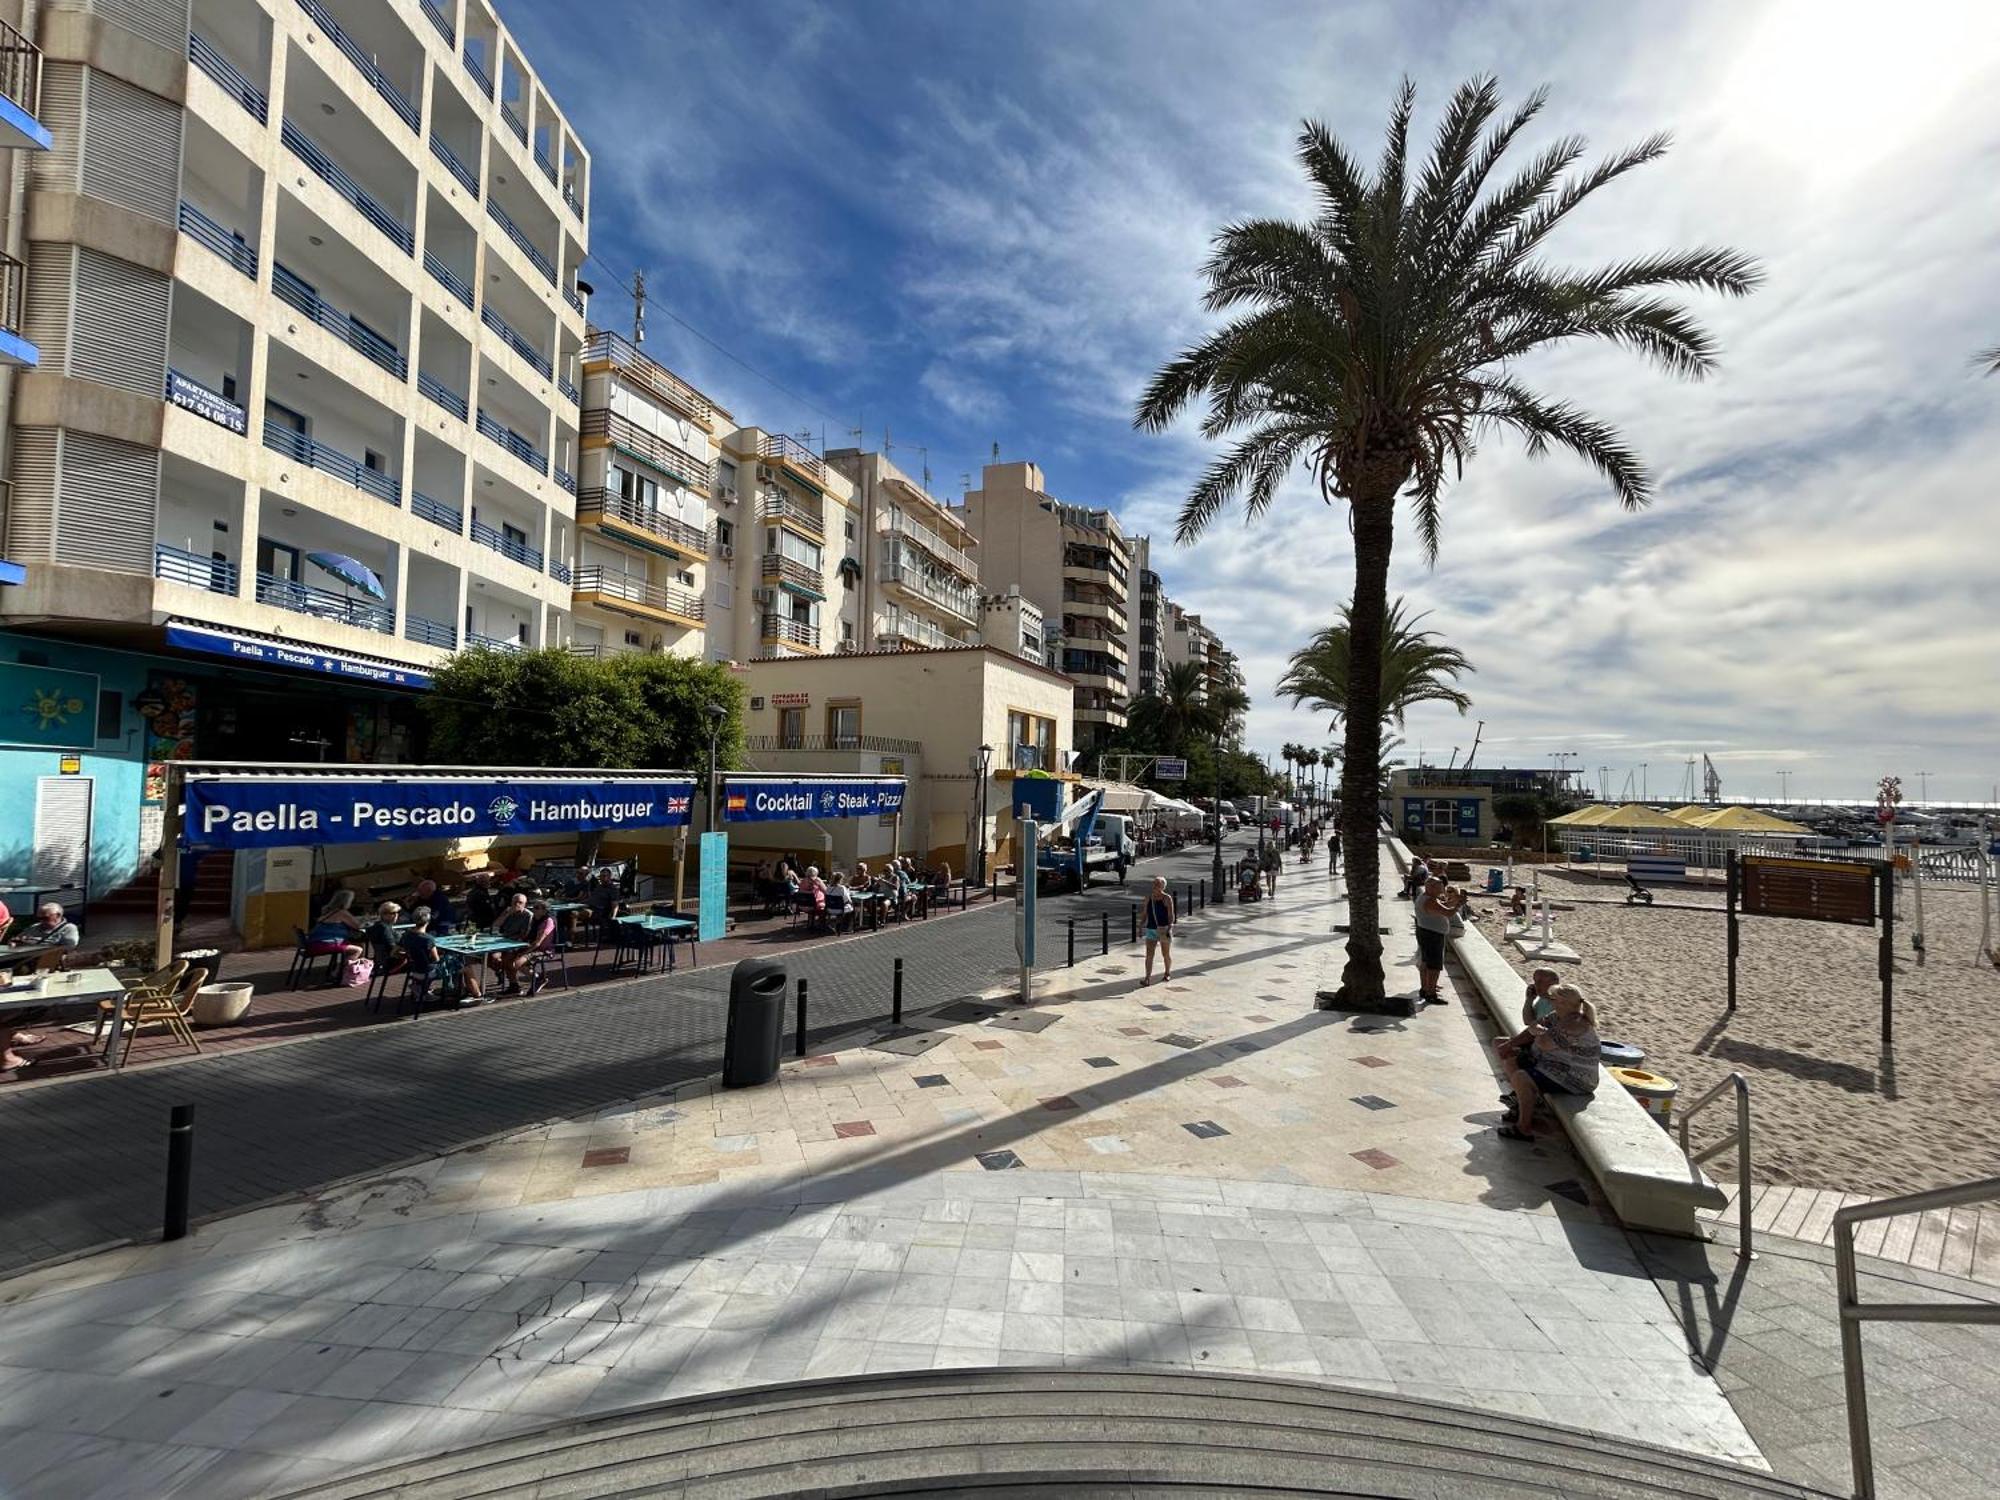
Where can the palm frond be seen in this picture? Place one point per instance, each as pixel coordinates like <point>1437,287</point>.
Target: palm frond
<point>1991,359</point>
<point>1541,423</point>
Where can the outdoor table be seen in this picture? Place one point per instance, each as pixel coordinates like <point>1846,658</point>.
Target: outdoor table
<point>89,986</point>
<point>672,929</point>
<point>870,905</point>
<point>473,946</point>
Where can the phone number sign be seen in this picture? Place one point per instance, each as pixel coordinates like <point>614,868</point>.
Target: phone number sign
<point>1813,890</point>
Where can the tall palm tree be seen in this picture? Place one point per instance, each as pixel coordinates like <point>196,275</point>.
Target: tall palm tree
<point>1417,667</point>
<point>1380,341</point>
<point>1307,760</point>
<point>1182,710</point>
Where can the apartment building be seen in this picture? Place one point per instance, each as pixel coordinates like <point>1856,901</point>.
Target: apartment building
<point>1075,564</point>
<point>1013,622</point>
<point>1185,640</point>
<point>303,274</point>
<point>919,579</point>
<point>1142,635</point>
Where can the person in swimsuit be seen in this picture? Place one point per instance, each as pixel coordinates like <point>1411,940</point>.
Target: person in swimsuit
<point>1159,929</point>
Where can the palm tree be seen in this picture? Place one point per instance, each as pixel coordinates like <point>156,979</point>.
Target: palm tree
<point>1307,760</point>
<point>1182,710</point>
<point>1379,342</point>
<point>1991,359</point>
<point>1416,667</point>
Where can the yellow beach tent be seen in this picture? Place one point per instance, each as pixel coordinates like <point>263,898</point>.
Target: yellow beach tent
<point>1583,817</point>
<point>1748,820</point>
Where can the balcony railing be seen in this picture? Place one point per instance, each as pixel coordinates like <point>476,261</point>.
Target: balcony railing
<point>476,642</point>
<point>1095,560</point>
<point>457,168</point>
<point>302,146</point>
<point>13,292</point>
<point>878,743</point>
<point>440,20</point>
<point>573,298</point>
<point>900,625</point>
<point>442,394</point>
<point>520,238</point>
<point>559,570</point>
<point>575,203</point>
<point>564,479</point>
<point>569,392</point>
<point>370,69</point>
<point>175,565</point>
<point>783,448</point>
<point>1072,594</point>
<point>507,546</point>
<point>779,506</point>
<point>294,444</point>
<point>627,589</point>
<point>636,367</point>
<point>515,444</point>
<point>897,523</point>
<point>602,504</point>
<point>479,75</point>
<point>20,70</point>
<point>203,54</point>
<point>790,632</point>
<point>633,440</point>
<point>516,341</point>
<point>513,121</point>
<point>324,604</point>
<point>961,602</point>
<point>548,167</point>
<point>431,632</point>
<point>1090,664</point>
<point>447,278</point>
<point>437,512</point>
<point>793,576</point>
<point>344,326</point>
<point>204,231</point>
<point>190,394</point>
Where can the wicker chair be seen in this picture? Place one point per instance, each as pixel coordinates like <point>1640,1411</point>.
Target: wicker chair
<point>169,1008</point>
<point>160,984</point>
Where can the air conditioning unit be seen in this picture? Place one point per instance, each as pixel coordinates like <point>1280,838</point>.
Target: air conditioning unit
<point>763,596</point>
<point>726,551</point>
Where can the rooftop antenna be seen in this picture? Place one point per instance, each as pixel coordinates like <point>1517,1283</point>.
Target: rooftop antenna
<point>888,443</point>
<point>638,307</point>
<point>926,455</point>
<point>855,432</point>
<point>996,453</point>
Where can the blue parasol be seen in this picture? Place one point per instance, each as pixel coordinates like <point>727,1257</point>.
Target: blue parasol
<point>354,574</point>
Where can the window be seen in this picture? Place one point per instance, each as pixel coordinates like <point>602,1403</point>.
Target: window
<point>849,524</point>
<point>1031,741</point>
<point>725,480</point>
<point>634,638</point>
<point>725,533</point>
<point>847,631</point>
<point>513,533</point>
<point>521,632</point>
<point>843,726</point>
<point>110,714</point>
<point>791,728</point>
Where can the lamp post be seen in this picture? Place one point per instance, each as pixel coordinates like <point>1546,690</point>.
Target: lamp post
<point>1217,872</point>
<point>985,770</point>
<point>716,714</point>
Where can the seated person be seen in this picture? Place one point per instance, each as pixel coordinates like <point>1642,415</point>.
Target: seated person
<point>51,934</point>
<point>538,931</point>
<point>482,900</point>
<point>839,901</point>
<point>603,897</point>
<point>1535,1009</point>
<point>1563,1058</point>
<point>941,878</point>
<point>427,960</point>
<point>514,923</point>
<point>338,930</point>
<point>1517,904</point>
<point>381,942</point>
<point>444,916</point>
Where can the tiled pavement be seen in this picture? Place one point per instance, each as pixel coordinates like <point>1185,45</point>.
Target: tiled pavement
<point>1200,1175</point>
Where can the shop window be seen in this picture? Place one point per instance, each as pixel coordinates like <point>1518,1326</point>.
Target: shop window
<point>843,726</point>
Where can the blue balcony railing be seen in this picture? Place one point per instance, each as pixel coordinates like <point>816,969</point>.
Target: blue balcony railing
<point>477,642</point>
<point>430,632</point>
<point>441,21</point>
<point>515,444</point>
<point>513,121</point>
<point>437,512</point>
<point>294,444</point>
<point>565,480</point>
<point>370,69</point>
<point>203,54</point>
<point>559,570</point>
<point>350,330</point>
<point>516,342</point>
<point>190,394</point>
<point>573,297</point>
<point>507,546</point>
<point>478,73</point>
<point>324,604</point>
<point>200,228</point>
<point>542,160</point>
<point>175,565</point>
<point>447,278</point>
<point>515,233</point>
<point>569,392</point>
<point>575,203</point>
<point>301,145</point>
<point>458,168</point>
<point>442,394</point>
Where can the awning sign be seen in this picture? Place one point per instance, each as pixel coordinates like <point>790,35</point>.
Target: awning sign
<point>786,801</point>
<point>300,658</point>
<point>268,812</point>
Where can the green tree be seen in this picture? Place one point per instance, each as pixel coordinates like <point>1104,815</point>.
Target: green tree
<point>1417,667</point>
<point>1168,721</point>
<point>1379,341</point>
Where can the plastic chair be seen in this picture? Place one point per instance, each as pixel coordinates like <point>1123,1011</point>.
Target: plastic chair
<point>306,952</point>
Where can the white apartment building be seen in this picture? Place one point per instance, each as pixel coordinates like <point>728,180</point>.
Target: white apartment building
<point>794,588</point>
<point>919,578</point>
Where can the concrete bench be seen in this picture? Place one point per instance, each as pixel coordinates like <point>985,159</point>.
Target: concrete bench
<point>1649,1182</point>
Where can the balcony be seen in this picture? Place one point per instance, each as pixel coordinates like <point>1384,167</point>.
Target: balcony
<point>636,368</point>
<point>405,110</point>
<point>173,565</point>
<point>898,627</point>
<point>515,444</point>
<point>780,631</point>
<point>787,510</point>
<point>1092,708</point>
<point>431,632</point>
<point>520,238</point>
<point>1094,670</point>
<point>349,329</point>
<point>437,512</point>
<point>477,642</point>
<point>964,603</point>
<point>782,448</point>
<point>519,343</point>
<point>647,448</point>
<point>456,167</point>
<point>1091,636</point>
<point>1094,604</point>
<point>629,595</point>
<point>559,570</point>
<point>569,392</point>
<point>442,394</point>
<point>21,94</point>
<point>190,394</point>
<point>571,296</point>
<point>1094,564</point>
<point>507,546</point>
<point>548,167</point>
<point>565,481</point>
<point>629,521</point>
<point>895,523</point>
<point>204,231</point>
<point>479,74</point>
<point>323,166</point>
<point>16,351</point>
<point>447,278</point>
<point>575,203</point>
<point>439,20</point>
<point>793,577</point>
<point>332,461</point>
<point>513,121</point>
<point>228,77</point>
<point>324,604</point>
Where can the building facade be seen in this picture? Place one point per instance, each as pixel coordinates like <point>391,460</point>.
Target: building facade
<point>919,579</point>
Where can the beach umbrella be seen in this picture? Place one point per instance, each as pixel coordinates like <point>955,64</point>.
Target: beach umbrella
<point>1750,820</point>
<point>350,572</point>
<point>1584,817</point>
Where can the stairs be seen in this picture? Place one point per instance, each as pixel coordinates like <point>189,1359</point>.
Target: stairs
<point>207,896</point>
<point>1059,1435</point>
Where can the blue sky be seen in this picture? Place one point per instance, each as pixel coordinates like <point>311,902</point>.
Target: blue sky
<point>981,223</point>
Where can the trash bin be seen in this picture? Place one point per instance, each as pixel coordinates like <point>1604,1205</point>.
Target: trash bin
<point>756,1023</point>
<point>1654,1092</point>
<point>1621,1054</point>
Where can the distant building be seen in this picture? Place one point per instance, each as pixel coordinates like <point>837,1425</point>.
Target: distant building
<point>1438,805</point>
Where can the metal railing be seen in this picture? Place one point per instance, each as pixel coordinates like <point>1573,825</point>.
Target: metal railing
<point>569,392</point>
<point>190,394</point>
<point>479,642</point>
<point>447,278</point>
<point>13,291</point>
<point>177,565</point>
<point>623,586</point>
<point>295,444</point>
<point>575,203</point>
<point>370,69</point>
<point>1739,1138</point>
<point>1853,1312</point>
<point>637,367</point>
<point>790,632</point>
<point>324,604</point>
<point>442,394</point>
<point>573,298</point>
<point>899,624</point>
<point>548,167</point>
<point>507,546</point>
<point>792,575</point>
<point>564,479</point>
<point>520,238</point>
<point>479,75</point>
<point>1091,664</point>
<point>298,293</point>
<point>515,444</point>
<point>877,742</point>
<point>230,78</point>
<point>20,70</point>
<point>897,523</point>
<point>204,231</point>
<point>308,151</point>
<point>440,20</point>
<point>788,449</point>
<point>779,506</point>
<point>437,512</point>
<point>597,503</point>
<point>516,341</point>
<point>514,122</point>
<point>649,448</point>
<point>962,602</point>
<point>559,570</point>
<point>431,632</point>
<point>457,167</point>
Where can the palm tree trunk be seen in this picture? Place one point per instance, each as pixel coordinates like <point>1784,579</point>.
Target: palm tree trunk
<point>1361,980</point>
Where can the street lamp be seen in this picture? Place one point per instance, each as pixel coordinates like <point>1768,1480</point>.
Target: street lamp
<point>1263,809</point>
<point>1217,872</point>
<point>716,714</point>
<point>985,764</point>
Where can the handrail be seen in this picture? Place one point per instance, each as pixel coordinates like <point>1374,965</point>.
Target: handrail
<point>207,232</point>
<point>479,74</point>
<point>452,162</point>
<point>447,278</point>
<point>205,55</point>
<point>439,20</point>
<point>520,238</point>
<point>370,69</point>
<point>517,341</point>
<point>329,171</point>
<point>20,70</point>
<point>442,394</point>
<point>357,335</point>
<point>1861,1453</point>
<point>1739,1138</point>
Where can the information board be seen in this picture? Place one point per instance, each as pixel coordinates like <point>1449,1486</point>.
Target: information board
<point>1813,890</point>
<point>1168,768</point>
<point>713,916</point>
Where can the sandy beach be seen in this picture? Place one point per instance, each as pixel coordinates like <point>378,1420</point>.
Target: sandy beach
<point>1832,1107</point>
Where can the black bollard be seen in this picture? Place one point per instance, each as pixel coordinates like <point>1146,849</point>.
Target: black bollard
<point>994,894</point>
<point>801,1044</point>
<point>1104,938</point>
<point>1072,943</point>
<point>180,1171</point>
<point>896,1013</point>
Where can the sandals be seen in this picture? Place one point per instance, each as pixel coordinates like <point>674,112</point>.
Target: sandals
<point>1509,1131</point>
